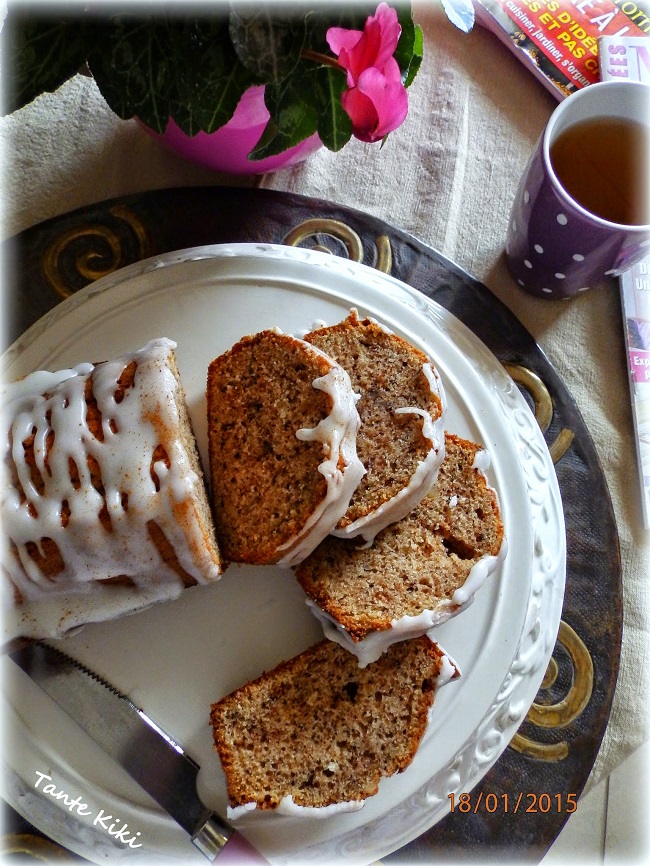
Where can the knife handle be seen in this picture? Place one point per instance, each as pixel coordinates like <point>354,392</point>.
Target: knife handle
<point>221,844</point>
<point>238,850</point>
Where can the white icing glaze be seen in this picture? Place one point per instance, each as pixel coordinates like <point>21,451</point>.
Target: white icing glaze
<point>476,578</point>
<point>338,435</point>
<point>422,480</point>
<point>355,312</point>
<point>370,648</point>
<point>233,813</point>
<point>45,403</point>
<point>14,393</point>
<point>379,324</point>
<point>289,808</point>
<point>487,564</point>
<point>482,461</point>
<point>316,325</point>
<point>449,670</point>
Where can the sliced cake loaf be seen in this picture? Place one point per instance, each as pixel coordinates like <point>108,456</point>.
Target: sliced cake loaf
<point>419,571</point>
<point>102,495</point>
<point>282,426</point>
<point>317,732</point>
<point>401,438</point>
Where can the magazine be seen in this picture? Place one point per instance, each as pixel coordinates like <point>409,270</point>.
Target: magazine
<point>558,39</point>
<point>629,59</point>
<point>635,297</point>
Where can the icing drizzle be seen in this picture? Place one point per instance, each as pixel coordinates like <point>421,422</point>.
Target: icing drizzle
<point>341,467</point>
<point>422,480</point>
<point>91,487</point>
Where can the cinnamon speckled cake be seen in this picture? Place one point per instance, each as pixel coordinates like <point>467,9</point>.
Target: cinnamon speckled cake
<point>282,427</point>
<point>318,733</point>
<point>419,571</point>
<point>401,406</point>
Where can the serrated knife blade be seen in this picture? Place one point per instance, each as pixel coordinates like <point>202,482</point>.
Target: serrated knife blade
<point>150,756</point>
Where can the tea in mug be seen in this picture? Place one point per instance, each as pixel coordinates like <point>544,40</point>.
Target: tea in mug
<point>603,164</point>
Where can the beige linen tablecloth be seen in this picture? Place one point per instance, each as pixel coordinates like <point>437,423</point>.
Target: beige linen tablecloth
<point>448,176</point>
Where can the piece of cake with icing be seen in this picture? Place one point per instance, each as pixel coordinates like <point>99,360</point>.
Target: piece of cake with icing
<point>315,735</point>
<point>402,407</point>
<point>102,495</point>
<point>282,428</point>
<point>419,571</point>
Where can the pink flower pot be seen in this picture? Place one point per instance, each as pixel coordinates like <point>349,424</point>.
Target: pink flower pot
<point>227,149</point>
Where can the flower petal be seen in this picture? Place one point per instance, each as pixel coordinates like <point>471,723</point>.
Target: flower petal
<point>376,100</point>
<point>339,39</point>
<point>374,46</point>
<point>389,97</point>
<point>362,113</point>
<point>390,30</point>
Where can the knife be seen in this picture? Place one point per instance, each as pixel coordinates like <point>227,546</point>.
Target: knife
<point>150,756</point>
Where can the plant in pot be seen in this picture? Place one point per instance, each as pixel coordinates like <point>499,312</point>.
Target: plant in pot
<point>245,87</point>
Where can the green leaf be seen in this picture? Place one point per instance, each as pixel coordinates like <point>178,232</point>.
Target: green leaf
<point>156,67</point>
<point>267,39</point>
<point>294,116</point>
<point>334,125</point>
<point>40,51</point>
<point>410,47</point>
<point>210,83</point>
<point>195,69</point>
<point>308,101</point>
<point>416,60</point>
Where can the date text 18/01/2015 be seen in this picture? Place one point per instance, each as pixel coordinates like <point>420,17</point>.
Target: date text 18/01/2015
<point>524,803</point>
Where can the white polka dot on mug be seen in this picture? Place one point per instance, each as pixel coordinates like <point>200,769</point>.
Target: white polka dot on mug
<point>558,245</point>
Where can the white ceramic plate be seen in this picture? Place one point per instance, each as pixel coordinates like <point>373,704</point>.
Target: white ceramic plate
<point>177,658</point>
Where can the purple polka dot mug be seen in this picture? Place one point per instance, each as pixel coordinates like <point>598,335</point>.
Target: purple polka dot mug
<point>555,247</point>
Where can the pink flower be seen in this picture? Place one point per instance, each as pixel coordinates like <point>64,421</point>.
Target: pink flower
<point>376,100</point>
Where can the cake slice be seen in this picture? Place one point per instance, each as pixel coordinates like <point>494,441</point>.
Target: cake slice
<point>102,495</point>
<point>419,571</point>
<point>318,733</point>
<point>401,438</point>
<point>282,427</point>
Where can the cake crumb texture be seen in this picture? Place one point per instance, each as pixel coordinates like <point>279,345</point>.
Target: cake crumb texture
<point>323,730</point>
<point>416,564</point>
<point>387,372</point>
<point>265,481</point>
